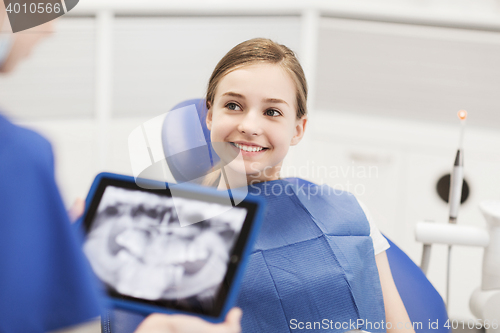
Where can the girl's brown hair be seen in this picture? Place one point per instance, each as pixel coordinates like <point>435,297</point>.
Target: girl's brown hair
<point>250,52</point>
<point>261,50</point>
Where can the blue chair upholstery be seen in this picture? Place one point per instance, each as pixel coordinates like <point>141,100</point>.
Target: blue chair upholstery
<point>186,141</point>
<point>423,303</point>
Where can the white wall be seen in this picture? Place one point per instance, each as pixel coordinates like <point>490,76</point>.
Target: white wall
<point>386,99</point>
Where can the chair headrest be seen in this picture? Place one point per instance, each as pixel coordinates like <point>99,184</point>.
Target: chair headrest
<point>186,141</point>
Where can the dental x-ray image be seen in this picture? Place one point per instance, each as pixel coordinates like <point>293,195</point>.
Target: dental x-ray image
<point>137,247</point>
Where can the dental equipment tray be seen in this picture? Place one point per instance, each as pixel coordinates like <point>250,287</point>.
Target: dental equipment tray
<point>172,248</point>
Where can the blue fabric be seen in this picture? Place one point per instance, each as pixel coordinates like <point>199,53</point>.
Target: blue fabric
<point>45,281</point>
<point>313,261</point>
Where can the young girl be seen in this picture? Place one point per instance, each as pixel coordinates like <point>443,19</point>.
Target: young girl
<point>313,266</point>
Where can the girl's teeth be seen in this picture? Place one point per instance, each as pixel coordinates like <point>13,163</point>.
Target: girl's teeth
<point>248,148</point>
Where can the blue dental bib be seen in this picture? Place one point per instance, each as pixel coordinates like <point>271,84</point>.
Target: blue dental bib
<point>313,264</point>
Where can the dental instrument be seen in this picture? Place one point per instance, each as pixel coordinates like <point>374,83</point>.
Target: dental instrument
<point>456,180</point>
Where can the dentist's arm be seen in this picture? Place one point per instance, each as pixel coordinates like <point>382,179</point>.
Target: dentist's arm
<point>395,311</point>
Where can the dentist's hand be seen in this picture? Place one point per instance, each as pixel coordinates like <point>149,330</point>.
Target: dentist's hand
<point>162,323</point>
<point>76,210</point>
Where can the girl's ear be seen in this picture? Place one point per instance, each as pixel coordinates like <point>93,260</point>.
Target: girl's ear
<point>300,127</point>
<point>208,119</point>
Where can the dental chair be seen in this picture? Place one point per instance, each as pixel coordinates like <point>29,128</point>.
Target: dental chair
<point>186,142</point>
<point>421,299</point>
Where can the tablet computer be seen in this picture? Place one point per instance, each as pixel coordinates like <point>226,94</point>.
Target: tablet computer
<point>166,250</point>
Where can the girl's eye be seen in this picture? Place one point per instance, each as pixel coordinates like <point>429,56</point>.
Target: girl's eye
<point>272,113</point>
<point>233,106</point>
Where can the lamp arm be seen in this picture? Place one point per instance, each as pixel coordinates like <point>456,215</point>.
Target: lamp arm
<point>451,234</point>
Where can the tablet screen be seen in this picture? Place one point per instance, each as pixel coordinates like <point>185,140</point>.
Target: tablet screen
<point>138,248</point>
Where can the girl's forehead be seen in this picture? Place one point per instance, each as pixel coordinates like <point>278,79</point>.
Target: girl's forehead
<point>268,81</point>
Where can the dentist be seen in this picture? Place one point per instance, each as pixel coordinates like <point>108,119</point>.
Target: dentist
<point>45,281</point>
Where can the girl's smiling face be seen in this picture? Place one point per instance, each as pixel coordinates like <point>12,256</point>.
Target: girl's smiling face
<point>254,112</point>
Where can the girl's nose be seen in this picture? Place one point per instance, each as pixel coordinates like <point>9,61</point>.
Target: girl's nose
<point>250,124</point>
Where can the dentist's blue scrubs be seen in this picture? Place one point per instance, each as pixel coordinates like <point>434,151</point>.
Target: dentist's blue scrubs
<point>45,282</point>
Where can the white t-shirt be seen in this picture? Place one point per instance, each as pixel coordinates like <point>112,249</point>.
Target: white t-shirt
<point>380,244</point>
